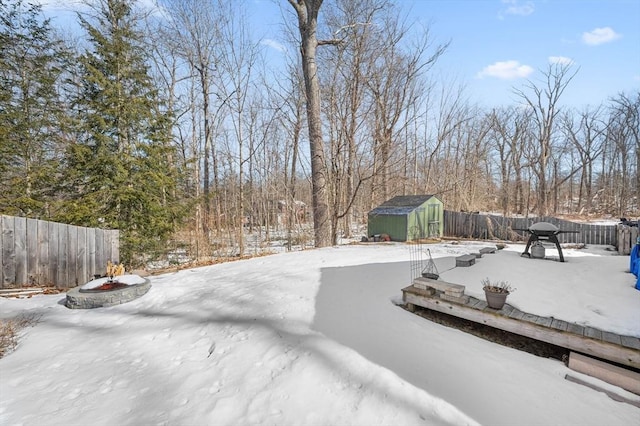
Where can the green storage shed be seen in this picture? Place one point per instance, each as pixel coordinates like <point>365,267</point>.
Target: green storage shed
<point>407,217</point>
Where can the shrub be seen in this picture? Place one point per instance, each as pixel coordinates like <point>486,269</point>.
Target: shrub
<point>497,286</point>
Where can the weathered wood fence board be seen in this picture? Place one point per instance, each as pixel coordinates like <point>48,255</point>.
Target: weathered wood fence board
<point>481,226</point>
<point>37,252</point>
<point>627,238</point>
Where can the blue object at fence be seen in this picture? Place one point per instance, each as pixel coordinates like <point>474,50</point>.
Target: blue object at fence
<point>634,261</point>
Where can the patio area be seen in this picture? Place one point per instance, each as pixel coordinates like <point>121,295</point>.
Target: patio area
<point>592,288</point>
<point>586,304</point>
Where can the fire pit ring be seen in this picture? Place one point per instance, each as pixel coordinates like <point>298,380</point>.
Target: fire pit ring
<point>87,297</point>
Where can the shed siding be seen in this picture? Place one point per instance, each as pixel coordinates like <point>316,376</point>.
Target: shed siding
<point>393,225</point>
<point>403,222</point>
<point>418,224</point>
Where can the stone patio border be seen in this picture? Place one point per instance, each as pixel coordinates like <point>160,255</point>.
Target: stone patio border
<point>77,299</point>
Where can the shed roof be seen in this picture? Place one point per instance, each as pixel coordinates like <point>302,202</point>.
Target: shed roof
<point>401,205</point>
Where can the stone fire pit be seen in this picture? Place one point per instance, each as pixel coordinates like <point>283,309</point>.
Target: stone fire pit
<point>103,292</point>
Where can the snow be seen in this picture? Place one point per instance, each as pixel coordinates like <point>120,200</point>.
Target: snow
<point>130,279</point>
<point>314,338</point>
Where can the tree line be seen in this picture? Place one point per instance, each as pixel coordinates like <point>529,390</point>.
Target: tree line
<point>171,125</point>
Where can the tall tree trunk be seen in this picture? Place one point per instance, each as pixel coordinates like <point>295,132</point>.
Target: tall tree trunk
<point>307,11</point>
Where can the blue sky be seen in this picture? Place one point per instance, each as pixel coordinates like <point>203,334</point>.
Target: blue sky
<point>497,45</point>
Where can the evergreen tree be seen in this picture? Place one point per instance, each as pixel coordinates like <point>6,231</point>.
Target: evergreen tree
<point>120,169</point>
<point>31,59</point>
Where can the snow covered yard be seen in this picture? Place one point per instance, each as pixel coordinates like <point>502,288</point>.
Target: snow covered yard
<point>312,338</point>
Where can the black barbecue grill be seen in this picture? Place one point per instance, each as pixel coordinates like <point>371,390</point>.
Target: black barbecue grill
<point>544,231</point>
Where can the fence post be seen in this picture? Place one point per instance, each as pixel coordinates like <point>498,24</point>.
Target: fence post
<point>8,252</point>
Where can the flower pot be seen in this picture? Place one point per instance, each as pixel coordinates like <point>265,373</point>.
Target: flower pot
<point>495,300</point>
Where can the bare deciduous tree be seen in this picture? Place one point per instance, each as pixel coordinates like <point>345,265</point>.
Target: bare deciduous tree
<point>624,140</point>
<point>587,136</point>
<point>194,29</point>
<point>544,104</point>
<point>510,133</point>
<point>307,13</point>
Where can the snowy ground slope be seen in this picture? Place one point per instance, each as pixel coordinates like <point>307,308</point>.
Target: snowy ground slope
<point>302,338</point>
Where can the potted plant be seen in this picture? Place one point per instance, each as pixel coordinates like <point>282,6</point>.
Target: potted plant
<point>496,292</point>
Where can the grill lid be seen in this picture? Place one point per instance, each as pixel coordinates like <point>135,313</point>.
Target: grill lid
<point>544,227</point>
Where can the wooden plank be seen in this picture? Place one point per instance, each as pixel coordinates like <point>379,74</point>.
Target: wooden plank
<point>54,237</point>
<point>91,252</point>
<point>106,235</point>
<point>618,376</point>
<point>73,280</point>
<point>530,317</point>
<point>593,333</point>
<point>621,244</point>
<point>575,329</point>
<point>82,272</point>
<point>6,291</point>
<point>626,239</point>
<point>611,337</point>
<point>101,257</point>
<point>440,285</point>
<point>516,314</point>
<point>476,303</point>
<point>544,321</point>
<point>630,342</point>
<point>506,310</point>
<point>597,348</point>
<point>482,305</point>
<point>1,254</point>
<point>8,253</point>
<point>43,272</point>
<point>32,251</point>
<point>560,325</point>
<point>115,250</point>
<point>20,292</point>
<point>63,256</point>
<point>20,247</point>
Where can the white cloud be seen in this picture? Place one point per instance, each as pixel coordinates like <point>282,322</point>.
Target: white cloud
<point>52,7</point>
<point>600,36</point>
<point>560,60</point>
<point>63,5</point>
<point>507,70</point>
<point>273,44</point>
<point>514,7</point>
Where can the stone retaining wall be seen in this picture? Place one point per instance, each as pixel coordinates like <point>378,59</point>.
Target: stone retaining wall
<point>77,299</point>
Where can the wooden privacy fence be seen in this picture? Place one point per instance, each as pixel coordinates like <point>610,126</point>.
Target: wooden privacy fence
<point>481,226</point>
<point>627,237</point>
<point>41,253</point>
